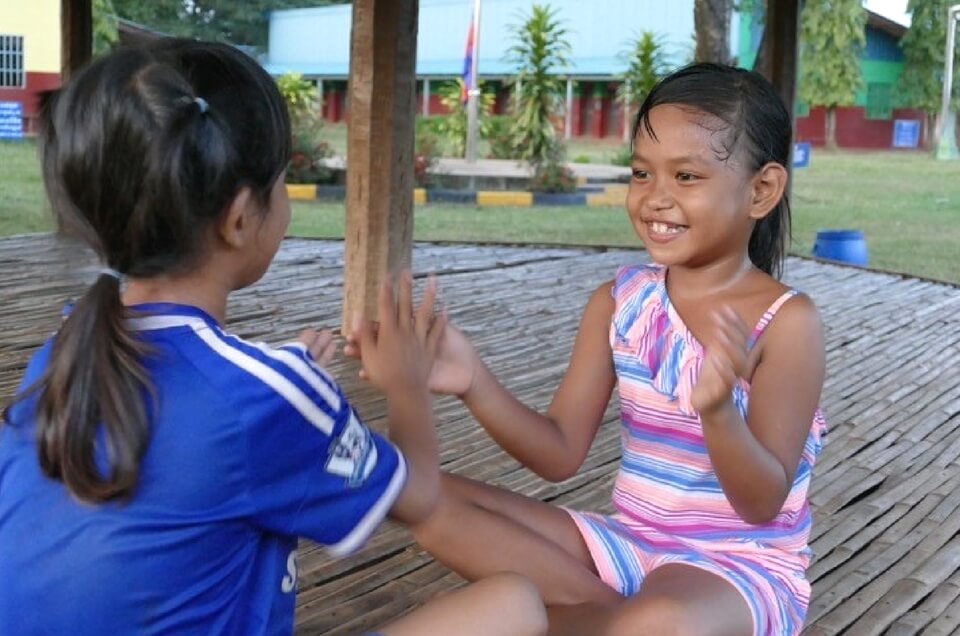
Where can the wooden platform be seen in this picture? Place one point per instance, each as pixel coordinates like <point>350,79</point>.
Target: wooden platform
<point>886,490</point>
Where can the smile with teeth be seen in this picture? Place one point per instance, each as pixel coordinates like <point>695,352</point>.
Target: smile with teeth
<point>661,227</point>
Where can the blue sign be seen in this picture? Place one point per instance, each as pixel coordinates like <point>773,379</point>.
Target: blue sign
<point>801,154</point>
<point>906,133</point>
<point>11,120</point>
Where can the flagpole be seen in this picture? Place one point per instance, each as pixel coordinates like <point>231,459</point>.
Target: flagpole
<point>473,92</point>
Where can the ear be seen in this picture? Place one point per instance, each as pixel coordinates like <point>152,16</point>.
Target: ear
<point>236,223</point>
<point>768,187</point>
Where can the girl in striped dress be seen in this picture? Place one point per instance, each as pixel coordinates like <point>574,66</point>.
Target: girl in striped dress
<point>719,368</point>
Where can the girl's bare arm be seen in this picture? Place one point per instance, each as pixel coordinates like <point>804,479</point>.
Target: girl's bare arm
<point>756,460</point>
<point>554,444</point>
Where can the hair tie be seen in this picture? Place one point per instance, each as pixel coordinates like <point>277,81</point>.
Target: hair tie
<point>201,104</point>
<point>112,273</point>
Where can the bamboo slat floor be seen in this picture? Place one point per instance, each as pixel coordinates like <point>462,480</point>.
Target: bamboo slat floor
<point>886,490</point>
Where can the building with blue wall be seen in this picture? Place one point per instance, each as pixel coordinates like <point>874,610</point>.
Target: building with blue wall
<point>871,121</point>
<point>316,43</point>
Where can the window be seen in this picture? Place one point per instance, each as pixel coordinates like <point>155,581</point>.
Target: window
<point>879,101</point>
<point>11,61</point>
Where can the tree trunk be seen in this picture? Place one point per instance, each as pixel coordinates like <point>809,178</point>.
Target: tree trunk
<point>711,19</point>
<point>832,128</point>
<point>76,36</point>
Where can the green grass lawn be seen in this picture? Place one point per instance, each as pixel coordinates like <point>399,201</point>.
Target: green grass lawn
<point>23,207</point>
<point>907,204</point>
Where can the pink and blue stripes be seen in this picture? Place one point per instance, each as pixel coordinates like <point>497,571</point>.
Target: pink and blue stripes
<point>670,505</point>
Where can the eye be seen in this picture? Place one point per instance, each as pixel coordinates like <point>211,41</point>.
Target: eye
<point>686,177</point>
<point>640,174</point>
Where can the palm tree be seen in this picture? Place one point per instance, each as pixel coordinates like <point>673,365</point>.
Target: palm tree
<point>646,64</point>
<point>539,51</point>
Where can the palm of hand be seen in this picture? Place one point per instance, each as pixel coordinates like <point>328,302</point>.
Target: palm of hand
<point>454,366</point>
<point>724,364</point>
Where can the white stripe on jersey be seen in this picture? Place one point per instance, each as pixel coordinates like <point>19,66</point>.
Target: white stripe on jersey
<point>300,366</point>
<point>375,514</point>
<point>152,323</point>
<point>297,398</point>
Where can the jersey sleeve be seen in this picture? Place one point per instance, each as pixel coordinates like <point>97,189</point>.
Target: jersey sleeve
<point>316,470</point>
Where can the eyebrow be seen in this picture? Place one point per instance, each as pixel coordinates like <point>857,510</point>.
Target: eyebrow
<point>674,160</point>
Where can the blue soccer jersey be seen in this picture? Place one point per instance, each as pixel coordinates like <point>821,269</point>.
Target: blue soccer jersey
<point>251,446</point>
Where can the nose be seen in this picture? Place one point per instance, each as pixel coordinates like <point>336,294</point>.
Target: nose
<point>658,196</point>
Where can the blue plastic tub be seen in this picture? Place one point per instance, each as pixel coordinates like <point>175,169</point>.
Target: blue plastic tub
<point>847,246</point>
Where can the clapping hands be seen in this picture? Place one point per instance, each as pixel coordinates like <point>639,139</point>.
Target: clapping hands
<point>454,362</point>
<point>725,362</point>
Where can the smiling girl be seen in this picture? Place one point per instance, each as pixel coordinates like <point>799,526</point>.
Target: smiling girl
<point>719,368</point>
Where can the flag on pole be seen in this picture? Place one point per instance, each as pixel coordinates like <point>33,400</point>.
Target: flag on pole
<point>468,65</point>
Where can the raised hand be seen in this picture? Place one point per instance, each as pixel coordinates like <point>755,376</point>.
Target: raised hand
<point>455,363</point>
<point>319,344</point>
<point>725,362</point>
<point>398,352</point>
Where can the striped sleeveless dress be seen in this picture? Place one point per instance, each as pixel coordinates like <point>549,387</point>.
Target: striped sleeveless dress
<point>669,505</point>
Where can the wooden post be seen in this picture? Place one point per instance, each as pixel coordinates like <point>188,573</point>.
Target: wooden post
<point>781,35</point>
<point>382,90</point>
<point>76,36</point>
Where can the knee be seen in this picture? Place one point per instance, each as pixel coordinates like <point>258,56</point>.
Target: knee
<point>519,600</point>
<point>654,615</point>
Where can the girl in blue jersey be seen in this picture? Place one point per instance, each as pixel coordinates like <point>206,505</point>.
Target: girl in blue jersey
<point>155,470</point>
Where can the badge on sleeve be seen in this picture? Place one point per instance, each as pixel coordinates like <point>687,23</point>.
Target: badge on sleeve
<point>353,455</point>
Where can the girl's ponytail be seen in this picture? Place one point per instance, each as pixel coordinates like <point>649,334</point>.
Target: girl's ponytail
<point>91,421</point>
<point>142,152</point>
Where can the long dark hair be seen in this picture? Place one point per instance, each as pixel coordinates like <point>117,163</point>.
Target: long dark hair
<point>760,132</point>
<point>141,152</point>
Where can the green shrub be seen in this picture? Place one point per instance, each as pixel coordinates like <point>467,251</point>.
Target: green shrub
<point>623,156</point>
<point>553,176</point>
<point>429,124</point>
<point>306,160</point>
<point>425,154</point>
<point>453,126</point>
<point>306,122</point>
<point>498,135</point>
<point>540,50</point>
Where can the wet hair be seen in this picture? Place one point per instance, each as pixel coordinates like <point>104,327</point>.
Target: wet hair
<point>142,152</point>
<point>759,132</point>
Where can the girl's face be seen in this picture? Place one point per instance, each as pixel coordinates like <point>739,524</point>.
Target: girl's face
<point>688,205</point>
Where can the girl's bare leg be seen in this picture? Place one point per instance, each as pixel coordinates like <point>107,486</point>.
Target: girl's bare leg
<point>478,530</point>
<point>674,599</point>
<point>501,605</point>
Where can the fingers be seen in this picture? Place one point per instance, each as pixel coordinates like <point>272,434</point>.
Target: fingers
<point>405,300</point>
<point>425,310</point>
<point>363,332</point>
<point>352,348</point>
<point>328,349</point>
<point>307,337</point>
<point>724,368</point>
<point>730,338</point>
<point>732,324</point>
<point>436,332</point>
<point>386,306</point>
<point>320,344</point>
